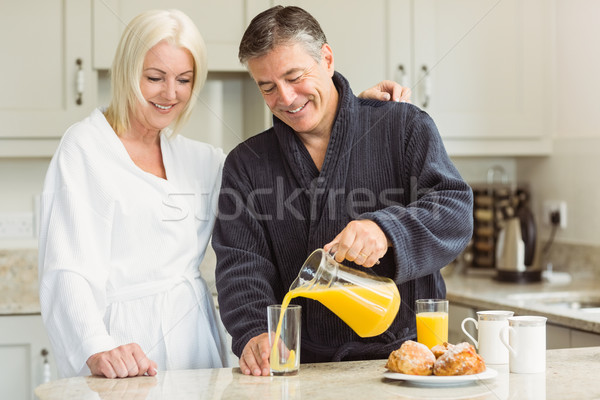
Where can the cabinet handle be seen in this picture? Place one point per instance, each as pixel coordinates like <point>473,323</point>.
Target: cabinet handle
<point>80,81</point>
<point>426,85</point>
<point>402,76</point>
<point>46,377</point>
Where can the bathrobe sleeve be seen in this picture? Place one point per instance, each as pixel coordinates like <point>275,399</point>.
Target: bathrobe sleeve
<point>435,220</point>
<point>246,277</point>
<point>74,247</point>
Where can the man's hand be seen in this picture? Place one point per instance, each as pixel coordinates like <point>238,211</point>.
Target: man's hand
<point>362,242</point>
<point>386,90</point>
<point>121,362</point>
<point>255,356</point>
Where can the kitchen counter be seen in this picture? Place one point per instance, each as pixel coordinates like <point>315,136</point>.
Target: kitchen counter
<point>479,290</point>
<point>569,375</point>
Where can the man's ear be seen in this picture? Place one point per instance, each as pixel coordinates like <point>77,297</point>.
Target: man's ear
<point>327,58</point>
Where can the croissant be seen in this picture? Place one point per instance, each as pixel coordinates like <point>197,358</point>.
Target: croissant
<point>411,358</point>
<point>460,359</point>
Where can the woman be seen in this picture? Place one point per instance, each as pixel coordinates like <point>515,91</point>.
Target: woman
<point>127,211</point>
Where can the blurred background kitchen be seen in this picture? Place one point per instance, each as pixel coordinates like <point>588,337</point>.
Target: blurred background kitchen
<point>511,84</point>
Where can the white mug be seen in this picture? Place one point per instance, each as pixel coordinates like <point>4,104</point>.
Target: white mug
<point>526,344</point>
<point>488,325</point>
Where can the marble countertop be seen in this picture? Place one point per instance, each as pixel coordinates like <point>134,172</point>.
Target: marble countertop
<point>569,375</point>
<point>481,291</point>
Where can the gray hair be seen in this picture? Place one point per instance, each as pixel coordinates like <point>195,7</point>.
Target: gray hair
<point>281,26</point>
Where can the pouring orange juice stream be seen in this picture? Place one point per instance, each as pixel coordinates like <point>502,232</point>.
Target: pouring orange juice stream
<point>368,310</point>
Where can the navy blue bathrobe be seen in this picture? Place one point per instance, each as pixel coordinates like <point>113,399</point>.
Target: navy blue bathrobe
<point>385,162</point>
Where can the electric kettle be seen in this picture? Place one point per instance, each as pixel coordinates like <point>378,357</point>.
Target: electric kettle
<point>516,248</point>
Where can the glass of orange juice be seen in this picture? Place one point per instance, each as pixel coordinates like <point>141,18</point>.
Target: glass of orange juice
<point>284,326</point>
<point>432,321</point>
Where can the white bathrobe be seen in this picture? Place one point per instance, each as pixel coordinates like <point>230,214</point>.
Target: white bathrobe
<point>119,251</point>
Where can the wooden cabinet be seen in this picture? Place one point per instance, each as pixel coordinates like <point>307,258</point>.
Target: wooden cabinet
<point>22,339</point>
<point>41,73</point>
<point>221,24</point>
<point>479,68</point>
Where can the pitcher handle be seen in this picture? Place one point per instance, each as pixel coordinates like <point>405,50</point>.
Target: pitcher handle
<point>504,339</point>
<point>462,326</point>
<point>333,250</point>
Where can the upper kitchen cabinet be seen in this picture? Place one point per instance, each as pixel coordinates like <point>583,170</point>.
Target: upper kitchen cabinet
<point>478,67</point>
<point>221,24</point>
<point>357,33</point>
<point>47,82</point>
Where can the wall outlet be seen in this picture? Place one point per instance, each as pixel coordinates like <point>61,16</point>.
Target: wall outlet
<point>16,225</point>
<point>551,206</point>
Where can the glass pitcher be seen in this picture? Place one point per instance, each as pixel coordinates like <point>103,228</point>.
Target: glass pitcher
<point>367,303</point>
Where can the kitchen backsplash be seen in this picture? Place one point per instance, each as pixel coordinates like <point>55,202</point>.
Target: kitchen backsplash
<point>19,280</point>
<point>581,261</point>
<point>18,268</point>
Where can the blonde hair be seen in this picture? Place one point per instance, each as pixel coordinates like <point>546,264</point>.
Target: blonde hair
<point>141,34</point>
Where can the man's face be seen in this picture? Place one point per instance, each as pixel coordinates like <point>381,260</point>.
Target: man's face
<point>297,89</point>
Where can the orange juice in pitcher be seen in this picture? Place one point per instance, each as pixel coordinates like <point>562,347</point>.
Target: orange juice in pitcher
<point>369,311</point>
<point>367,303</point>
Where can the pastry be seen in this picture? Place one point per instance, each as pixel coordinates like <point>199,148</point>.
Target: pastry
<point>440,349</point>
<point>460,359</point>
<point>411,358</point>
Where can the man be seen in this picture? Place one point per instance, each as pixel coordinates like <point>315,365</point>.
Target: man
<point>370,180</point>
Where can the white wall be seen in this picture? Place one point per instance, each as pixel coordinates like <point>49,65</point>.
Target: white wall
<point>572,173</point>
<point>20,181</point>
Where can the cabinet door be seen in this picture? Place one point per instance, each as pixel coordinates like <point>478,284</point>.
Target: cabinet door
<point>22,339</point>
<point>584,339</point>
<point>356,31</point>
<point>456,315</point>
<point>557,337</point>
<point>221,23</point>
<point>479,67</point>
<point>43,41</point>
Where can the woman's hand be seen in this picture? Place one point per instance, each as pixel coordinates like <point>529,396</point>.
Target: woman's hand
<point>387,90</point>
<point>121,362</point>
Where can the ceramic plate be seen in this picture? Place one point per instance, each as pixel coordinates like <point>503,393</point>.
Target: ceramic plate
<point>433,380</point>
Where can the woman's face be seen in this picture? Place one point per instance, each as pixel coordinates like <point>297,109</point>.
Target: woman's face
<point>166,84</point>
